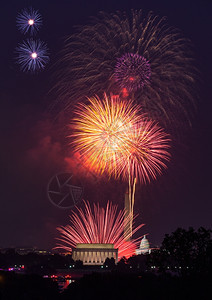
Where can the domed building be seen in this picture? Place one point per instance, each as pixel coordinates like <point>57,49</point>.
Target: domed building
<point>144,247</point>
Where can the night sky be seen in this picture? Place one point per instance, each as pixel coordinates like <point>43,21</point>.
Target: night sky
<point>32,150</point>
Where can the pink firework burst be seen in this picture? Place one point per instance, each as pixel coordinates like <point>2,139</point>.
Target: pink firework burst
<point>132,71</point>
<point>146,152</point>
<point>99,225</point>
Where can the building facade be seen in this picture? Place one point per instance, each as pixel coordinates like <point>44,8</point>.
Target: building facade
<point>94,254</point>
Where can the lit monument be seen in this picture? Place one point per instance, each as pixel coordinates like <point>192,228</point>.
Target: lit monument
<point>94,254</point>
<point>144,247</point>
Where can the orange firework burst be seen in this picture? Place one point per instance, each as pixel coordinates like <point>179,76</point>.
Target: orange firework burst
<point>101,129</point>
<point>113,137</point>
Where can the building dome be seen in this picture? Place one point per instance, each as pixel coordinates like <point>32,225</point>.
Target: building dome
<point>144,246</point>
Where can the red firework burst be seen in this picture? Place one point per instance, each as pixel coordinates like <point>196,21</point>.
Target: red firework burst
<point>99,226</point>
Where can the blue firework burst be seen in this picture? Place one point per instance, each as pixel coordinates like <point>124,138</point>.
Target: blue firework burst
<point>29,21</point>
<point>32,55</point>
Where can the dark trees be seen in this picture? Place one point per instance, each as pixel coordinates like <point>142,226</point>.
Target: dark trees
<point>184,252</point>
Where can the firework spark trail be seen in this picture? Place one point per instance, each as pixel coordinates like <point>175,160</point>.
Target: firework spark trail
<point>98,226</point>
<point>91,56</point>
<point>147,155</point>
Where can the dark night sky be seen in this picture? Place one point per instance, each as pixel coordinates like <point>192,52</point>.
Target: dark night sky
<point>31,153</point>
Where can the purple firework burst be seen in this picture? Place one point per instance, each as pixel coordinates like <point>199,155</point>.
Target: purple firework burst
<point>132,71</point>
<point>32,55</point>
<point>29,20</point>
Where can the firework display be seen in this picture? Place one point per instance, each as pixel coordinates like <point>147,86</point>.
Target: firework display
<point>29,21</point>
<point>114,137</point>
<point>32,55</point>
<point>104,226</point>
<point>136,55</point>
<point>118,78</point>
<point>125,74</point>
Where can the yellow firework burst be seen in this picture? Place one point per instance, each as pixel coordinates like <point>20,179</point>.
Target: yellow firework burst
<point>114,137</point>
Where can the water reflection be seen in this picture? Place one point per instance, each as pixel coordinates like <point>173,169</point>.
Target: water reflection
<point>64,284</point>
<point>62,281</point>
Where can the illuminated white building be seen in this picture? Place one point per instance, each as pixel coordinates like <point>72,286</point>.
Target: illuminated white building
<point>94,254</point>
<point>144,247</point>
